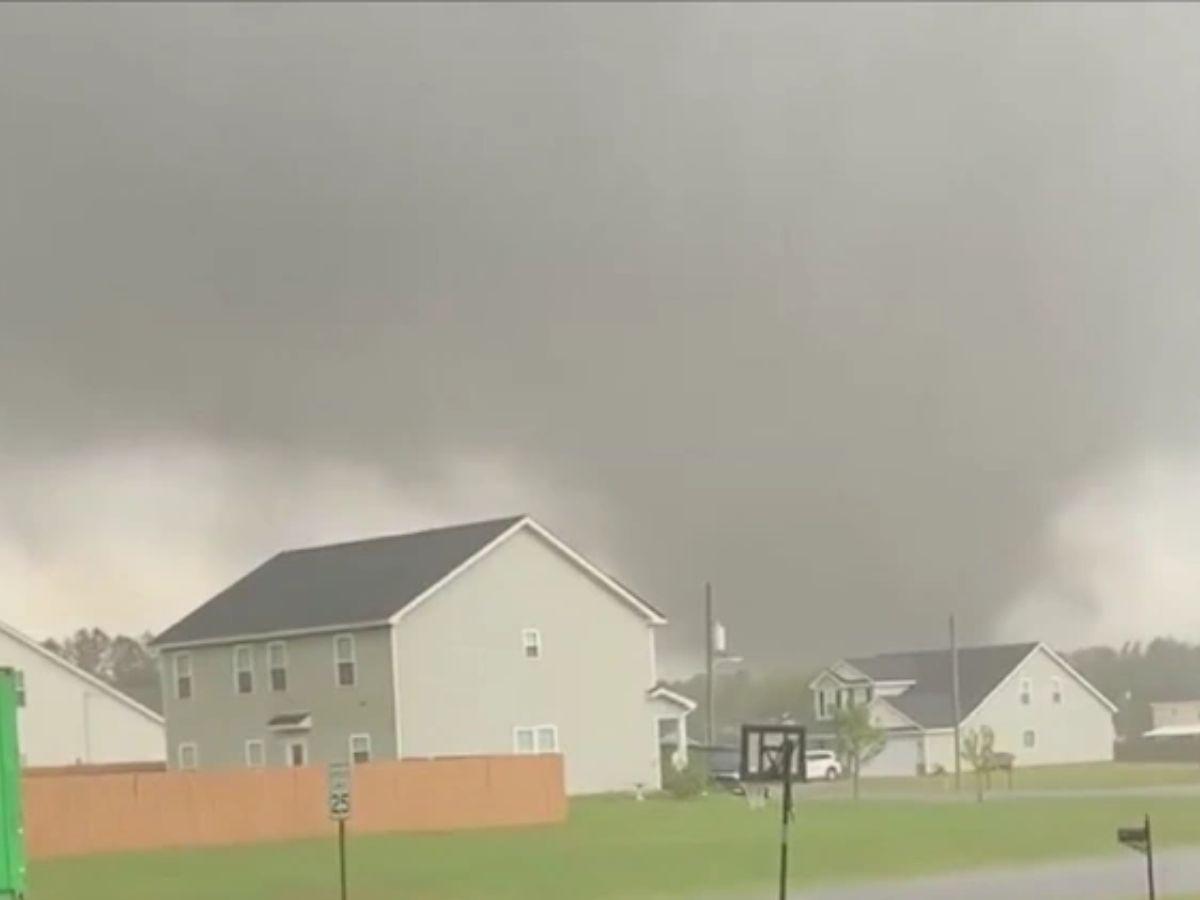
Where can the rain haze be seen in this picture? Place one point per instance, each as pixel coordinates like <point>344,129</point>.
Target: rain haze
<point>866,314</point>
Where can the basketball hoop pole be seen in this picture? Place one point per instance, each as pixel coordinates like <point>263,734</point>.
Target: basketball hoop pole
<point>786,752</point>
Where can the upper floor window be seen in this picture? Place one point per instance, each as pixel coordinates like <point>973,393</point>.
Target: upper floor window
<point>1029,739</point>
<point>1056,690</point>
<point>277,663</point>
<point>188,756</point>
<point>360,748</point>
<point>1026,691</point>
<point>531,641</point>
<point>19,684</point>
<point>345,660</point>
<point>822,704</point>
<point>183,676</point>
<point>243,669</point>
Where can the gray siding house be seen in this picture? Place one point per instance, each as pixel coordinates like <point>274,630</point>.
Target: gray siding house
<point>487,638</point>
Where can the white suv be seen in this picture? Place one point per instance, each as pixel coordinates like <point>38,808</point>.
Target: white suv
<point>822,764</point>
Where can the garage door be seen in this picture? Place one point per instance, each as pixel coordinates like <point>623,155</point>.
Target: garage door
<point>899,757</point>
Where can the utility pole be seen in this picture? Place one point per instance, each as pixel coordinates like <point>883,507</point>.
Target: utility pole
<point>709,719</point>
<point>957,708</point>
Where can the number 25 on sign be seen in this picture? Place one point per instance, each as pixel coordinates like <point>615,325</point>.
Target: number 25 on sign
<point>339,791</point>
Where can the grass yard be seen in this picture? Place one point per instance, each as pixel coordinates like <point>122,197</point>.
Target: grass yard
<point>618,848</point>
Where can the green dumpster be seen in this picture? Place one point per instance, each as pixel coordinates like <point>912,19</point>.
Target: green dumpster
<point>12,829</point>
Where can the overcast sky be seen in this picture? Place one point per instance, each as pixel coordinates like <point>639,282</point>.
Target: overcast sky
<point>865,313</point>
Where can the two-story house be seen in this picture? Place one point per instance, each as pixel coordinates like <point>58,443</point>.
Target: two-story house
<point>1039,708</point>
<point>487,638</point>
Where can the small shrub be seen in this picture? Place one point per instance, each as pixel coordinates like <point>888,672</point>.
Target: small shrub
<point>688,782</point>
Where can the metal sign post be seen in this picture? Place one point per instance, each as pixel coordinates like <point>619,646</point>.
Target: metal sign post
<point>1140,840</point>
<point>340,805</point>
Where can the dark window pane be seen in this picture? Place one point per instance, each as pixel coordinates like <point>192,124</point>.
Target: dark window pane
<point>245,683</point>
<point>185,688</point>
<point>346,674</point>
<point>279,679</point>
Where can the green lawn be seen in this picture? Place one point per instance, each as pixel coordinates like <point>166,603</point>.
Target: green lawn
<point>616,847</point>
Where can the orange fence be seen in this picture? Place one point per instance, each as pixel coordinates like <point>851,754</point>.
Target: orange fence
<point>76,814</point>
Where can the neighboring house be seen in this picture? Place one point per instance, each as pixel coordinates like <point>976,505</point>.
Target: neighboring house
<point>1174,718</point>
<point>1040,709</point>
<point>69,717</point>
<point>1164,713</point>
<point>488,638</point>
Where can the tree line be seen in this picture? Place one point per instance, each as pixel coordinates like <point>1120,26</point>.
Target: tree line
<point>122,661</point>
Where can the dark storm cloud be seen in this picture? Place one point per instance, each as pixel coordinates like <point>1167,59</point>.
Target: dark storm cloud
<point>833,306</point>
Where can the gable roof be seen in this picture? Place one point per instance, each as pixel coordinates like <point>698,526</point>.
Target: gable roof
<point>356,584</point>
<point>87,677</point>
<point>930,702</point>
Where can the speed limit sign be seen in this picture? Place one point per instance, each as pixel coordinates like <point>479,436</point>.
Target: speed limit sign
<point>339,791</point>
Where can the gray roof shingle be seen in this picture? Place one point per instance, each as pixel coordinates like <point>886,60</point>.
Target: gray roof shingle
<point>929,702</point>
<point>356,583</point>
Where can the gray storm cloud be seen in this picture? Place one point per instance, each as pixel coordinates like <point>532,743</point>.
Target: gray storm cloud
<point>834,306</point>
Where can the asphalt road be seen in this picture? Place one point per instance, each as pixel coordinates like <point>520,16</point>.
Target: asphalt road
<point>1118,877</point>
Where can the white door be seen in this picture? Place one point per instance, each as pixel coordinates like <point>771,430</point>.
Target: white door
<point>297,753</point>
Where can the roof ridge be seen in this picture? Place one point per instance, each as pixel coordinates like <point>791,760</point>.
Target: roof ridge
<point>402,534</point>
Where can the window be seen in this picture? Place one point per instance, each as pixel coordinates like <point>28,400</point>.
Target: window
<point>535,739</point>
<point>277,663</point>
<point>256,756</point>
<point>547,739</point>
<point>822,704</point>
<point>19,684</point>
<point>183,676</point>
<point>344,660</point>
<point>1029,739</point>
<point>1026,691</point>
<point>297,753</point>
<point>1056,690</point>
<point>360,748</point>
<point>243,669</point>
<point>188,756</point>
<point>531,640</point>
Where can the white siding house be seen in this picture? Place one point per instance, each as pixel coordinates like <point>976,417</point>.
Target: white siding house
<point>70,717</point>
<point>1039,708</point>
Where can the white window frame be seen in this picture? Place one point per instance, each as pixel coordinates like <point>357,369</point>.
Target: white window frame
<point>366,739</point>
<point>179,676</point>
<point>1026,693</point>
<point>187,745</point>
<point>262,753</point>
<point>338,661</point>
<point>248,649</point>
<point>531,639</point>
<point>287,752</point>
<point>1025,739</point>
<point>1056,691</point>
<point>534,732</point>
<point>282,647</point>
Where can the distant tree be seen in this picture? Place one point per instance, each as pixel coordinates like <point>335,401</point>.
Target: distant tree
<point>124,662</point>
<point>858,739</point>
<point>978,749</point>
